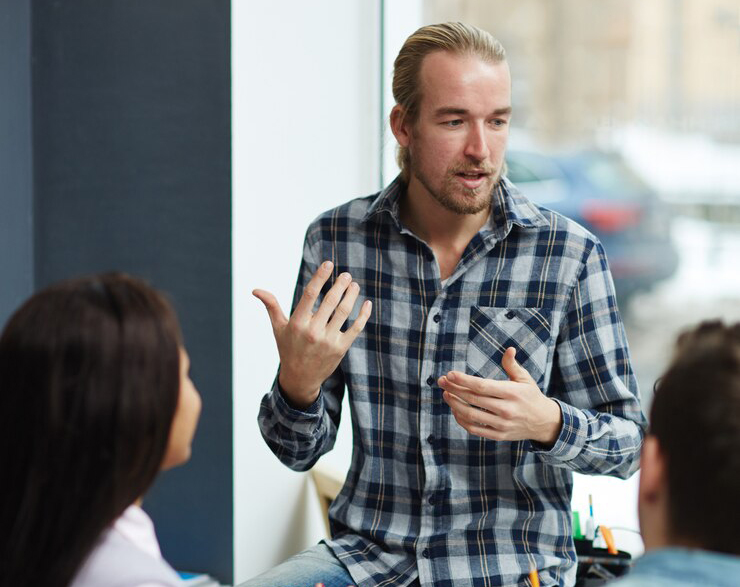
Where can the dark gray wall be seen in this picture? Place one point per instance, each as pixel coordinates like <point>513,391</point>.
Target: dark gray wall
<point>132,172</point>
<point>16,195</point>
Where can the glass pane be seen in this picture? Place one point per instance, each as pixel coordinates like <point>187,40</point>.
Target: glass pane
<point>627,119</point>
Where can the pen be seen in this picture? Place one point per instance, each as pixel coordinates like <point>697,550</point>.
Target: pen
<point>590,524</point>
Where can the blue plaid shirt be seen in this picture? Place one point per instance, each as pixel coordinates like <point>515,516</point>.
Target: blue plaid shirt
<point>425,500</point>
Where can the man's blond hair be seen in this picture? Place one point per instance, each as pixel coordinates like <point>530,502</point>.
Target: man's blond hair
<point>453,37</point>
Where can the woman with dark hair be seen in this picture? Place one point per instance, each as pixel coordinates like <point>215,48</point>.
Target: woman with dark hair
<point>95,400</point>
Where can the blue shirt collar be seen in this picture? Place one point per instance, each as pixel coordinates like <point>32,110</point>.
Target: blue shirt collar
<point>689,566</point>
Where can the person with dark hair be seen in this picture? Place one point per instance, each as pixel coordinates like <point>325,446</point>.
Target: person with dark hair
<point>95,400</point>
<point>486,364</point>
<point>690,471</point>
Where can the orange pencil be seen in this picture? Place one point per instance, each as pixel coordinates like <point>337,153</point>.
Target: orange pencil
<point>609,539</point>
<point>534,578</point>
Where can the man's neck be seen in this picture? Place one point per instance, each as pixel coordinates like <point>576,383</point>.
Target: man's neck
<point>663,540</point>
<point>433,222</point>
<point>447,232</point>
<point>657,534</point>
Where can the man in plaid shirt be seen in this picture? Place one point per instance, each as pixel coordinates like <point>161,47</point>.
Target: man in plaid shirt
<point>487,362</point>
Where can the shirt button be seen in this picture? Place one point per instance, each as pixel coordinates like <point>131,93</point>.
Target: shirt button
<point>430,439</point>
<point>437,318</point>
<point>425,553</point>
<point>431,499</point>
<point>430,380</point>
<point>510,314</point>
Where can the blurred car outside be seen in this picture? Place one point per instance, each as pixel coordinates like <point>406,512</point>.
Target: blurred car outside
<point>599,191</point>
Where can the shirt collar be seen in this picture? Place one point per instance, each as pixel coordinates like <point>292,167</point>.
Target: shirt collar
<point>508,207</point>
<point>689,566</point>
<point>388,202</point>
<point>137,527</point>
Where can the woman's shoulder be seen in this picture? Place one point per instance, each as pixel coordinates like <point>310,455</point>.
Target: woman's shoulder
<point>120,559</point>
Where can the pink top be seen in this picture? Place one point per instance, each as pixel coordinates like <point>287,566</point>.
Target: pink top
<point>127,555</point>
<point>136,526</point>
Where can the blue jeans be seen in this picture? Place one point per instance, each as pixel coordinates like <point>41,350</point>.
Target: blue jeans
<point>314,565</point>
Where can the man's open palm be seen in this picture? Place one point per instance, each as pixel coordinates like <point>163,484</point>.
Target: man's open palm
<point>311,345</point>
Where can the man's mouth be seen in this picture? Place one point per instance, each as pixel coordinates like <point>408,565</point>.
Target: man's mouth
<point>472,179</point>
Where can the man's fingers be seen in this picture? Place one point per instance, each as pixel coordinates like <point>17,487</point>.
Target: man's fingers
<point>359,324</point>
<point>332,298</point>
<point>476,421</point>
<point>477,385</point>
<point>277,317</point>
<point>454,382</point>
<point>486,402</point>
<point>513,369</point>
<point>311,292</point>
<point>470,412</point>
<point>471,382</point>
<point>345,307</point>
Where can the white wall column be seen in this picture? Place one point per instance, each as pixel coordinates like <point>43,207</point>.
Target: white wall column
<point>306,137</point>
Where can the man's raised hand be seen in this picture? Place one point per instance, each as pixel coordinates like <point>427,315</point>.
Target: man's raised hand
<point>311,345</point>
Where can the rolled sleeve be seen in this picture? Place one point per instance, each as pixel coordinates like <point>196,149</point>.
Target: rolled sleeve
<point>572,438</point>
<point>593,382</point>
<point>299,437</point>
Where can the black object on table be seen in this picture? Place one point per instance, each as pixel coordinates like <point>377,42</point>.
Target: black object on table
<point>596,566</point>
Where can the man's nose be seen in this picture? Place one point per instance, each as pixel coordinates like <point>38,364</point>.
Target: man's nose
<point>476,146</point>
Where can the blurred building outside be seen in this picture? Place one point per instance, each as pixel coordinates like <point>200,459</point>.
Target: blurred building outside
<point>582,68</point>
<point>656,83</point>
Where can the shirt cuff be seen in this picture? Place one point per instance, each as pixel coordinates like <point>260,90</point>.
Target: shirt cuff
<point>285,409</point>
<point>572,437</point>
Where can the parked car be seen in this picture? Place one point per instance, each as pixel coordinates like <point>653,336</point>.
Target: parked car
<point>599,191</point>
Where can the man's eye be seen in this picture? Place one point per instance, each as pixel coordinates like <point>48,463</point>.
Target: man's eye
<point>498,122</point>
<point>455,122</point>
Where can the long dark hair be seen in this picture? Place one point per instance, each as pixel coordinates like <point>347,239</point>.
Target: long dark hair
<point>89,384</point>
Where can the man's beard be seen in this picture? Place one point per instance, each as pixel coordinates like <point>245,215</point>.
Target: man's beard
<point>457,198</point>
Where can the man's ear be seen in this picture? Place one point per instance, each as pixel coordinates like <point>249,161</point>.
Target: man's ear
<point>653,471</point>
<point>400,126</point>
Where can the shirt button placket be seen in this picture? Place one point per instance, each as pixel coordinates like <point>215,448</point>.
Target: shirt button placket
<point>430,393</point>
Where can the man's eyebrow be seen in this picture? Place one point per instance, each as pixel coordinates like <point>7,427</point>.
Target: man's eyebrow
<point>446,111</point>
<point>449,110</point>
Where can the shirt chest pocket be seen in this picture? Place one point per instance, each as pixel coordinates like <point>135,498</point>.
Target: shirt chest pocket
<point>493,330</point>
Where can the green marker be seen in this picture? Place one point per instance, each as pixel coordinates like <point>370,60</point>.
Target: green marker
<point>577,534</point>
